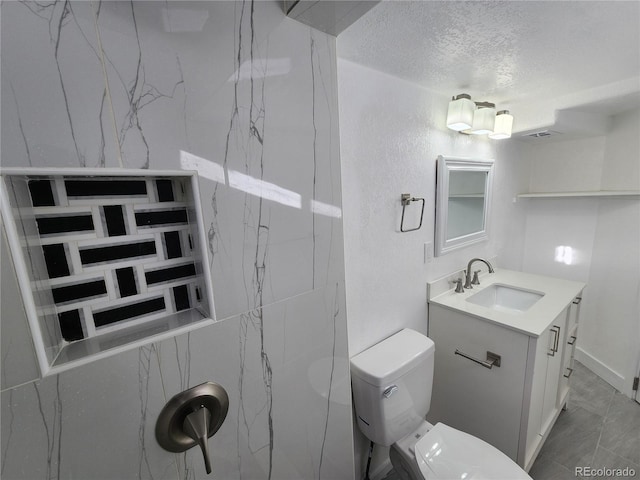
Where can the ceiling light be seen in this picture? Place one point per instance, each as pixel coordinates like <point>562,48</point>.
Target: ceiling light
<point>484,118</point>
<point>460,113</point>
<point>503,125</point>
<point>478,118</point>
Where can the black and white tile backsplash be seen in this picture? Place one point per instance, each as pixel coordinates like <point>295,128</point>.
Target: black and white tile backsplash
<point>118,251</point>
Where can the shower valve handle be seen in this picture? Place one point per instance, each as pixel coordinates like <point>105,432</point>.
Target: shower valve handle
<point>191,417</point>
<point>196,425</point>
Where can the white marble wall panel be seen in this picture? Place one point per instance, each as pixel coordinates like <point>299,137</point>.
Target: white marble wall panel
<point>288,417</point>
<point>145,82</point>
<point>253,95</point>
<point>54,102</point>
<point>96,421</point>
<point>281,389</point>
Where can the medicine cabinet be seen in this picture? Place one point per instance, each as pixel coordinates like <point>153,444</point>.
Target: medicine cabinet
<point>463,200</point>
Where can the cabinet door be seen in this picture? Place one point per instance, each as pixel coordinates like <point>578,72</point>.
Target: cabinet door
<point>555,350</point>
<point>483,402</point>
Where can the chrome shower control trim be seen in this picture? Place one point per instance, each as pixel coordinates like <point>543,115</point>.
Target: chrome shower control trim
<point>191,417</point>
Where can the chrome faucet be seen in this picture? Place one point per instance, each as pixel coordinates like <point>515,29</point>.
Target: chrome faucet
<point>468,282</point>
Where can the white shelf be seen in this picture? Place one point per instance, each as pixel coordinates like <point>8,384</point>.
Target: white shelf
<point>597,193</point>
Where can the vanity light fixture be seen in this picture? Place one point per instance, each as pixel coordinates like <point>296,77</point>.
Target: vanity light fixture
<point>478,118</point>
<point>460,113</point>
<point>503,125</point>
<point>484,118</point>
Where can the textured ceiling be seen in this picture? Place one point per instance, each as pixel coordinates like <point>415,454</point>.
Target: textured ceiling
<point>510,52</point>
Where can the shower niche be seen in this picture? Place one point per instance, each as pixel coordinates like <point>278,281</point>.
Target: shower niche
<point>106,260</point>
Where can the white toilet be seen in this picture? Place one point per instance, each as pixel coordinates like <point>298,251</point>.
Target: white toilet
<point>392,384</point>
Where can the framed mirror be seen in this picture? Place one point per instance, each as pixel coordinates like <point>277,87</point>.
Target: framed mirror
<point>463,200</point>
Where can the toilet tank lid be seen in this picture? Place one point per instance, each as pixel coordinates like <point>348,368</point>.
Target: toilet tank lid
<point>392,357</point>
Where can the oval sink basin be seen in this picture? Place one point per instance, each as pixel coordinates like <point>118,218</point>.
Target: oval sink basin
<point>504,297</point>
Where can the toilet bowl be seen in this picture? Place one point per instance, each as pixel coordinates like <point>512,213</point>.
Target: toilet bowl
<point>391,383</point>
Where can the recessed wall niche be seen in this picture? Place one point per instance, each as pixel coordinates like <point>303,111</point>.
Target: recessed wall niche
<point>106,259</point>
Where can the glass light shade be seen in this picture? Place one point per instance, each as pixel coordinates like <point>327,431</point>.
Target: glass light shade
<point>484,119</point>
<point>503,125</point>
<point>460,113</point>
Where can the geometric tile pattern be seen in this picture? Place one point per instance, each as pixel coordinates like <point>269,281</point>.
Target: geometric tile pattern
<point>118,251</point>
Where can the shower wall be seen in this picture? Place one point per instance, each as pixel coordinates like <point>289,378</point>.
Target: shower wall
<point>247,97</point>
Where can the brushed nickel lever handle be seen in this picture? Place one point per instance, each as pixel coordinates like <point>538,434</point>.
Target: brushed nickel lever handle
<point>458,284</point>
<point>196,425</point>
<point>191,417</point>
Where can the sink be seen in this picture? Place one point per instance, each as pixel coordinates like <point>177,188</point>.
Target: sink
<point>505,297</point>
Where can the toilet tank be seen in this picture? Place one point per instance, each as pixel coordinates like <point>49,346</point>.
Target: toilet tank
<point>391,384</point>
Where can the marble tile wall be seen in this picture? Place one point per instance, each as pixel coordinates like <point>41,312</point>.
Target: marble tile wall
<point>252,97</point>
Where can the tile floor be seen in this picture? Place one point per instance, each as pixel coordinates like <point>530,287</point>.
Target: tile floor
<point>599,429</point>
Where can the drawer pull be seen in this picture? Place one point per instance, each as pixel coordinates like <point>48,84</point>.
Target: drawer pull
<point>556,340</point>
<point>573,340</point>
<point>577,300</point>
<point>567,375</point>
<point>493,360</point>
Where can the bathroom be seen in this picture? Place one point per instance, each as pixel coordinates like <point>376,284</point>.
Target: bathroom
<point>304,145</point>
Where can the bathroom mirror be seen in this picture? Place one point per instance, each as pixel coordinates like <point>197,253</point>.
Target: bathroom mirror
<point>463,194</point>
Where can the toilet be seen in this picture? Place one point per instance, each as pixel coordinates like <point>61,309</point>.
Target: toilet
<point>391,384</point>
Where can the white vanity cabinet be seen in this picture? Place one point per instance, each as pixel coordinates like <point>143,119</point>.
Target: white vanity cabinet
<point>514,405</point>
<point>483,402</point>
<point>544,403</point>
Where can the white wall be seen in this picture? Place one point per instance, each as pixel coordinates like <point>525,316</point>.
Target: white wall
<point>603,233</point>
<point>391,133</point>
<point>622,154</point>
<point>611,319</point>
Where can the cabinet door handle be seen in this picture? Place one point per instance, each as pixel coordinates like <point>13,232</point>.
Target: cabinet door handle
<point>573,340</point>
<point>567,375</point>
<point>556,340</point>
<point>493,360</point>
<point>577,300</point>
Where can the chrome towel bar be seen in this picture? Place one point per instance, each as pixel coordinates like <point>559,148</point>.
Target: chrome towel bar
<point>493,359</point>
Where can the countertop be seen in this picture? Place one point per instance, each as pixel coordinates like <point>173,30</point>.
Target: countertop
<point>558,293</point>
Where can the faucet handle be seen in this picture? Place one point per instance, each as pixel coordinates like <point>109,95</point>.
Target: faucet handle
<point>475,280</point>
<point>458,284</point>
<point>196,425</point>
<point>467,279</point>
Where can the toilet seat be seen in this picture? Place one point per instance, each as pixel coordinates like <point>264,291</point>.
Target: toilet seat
<point>445,452</point>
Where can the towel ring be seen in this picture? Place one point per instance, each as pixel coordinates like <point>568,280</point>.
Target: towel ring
<point>406,199</point>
